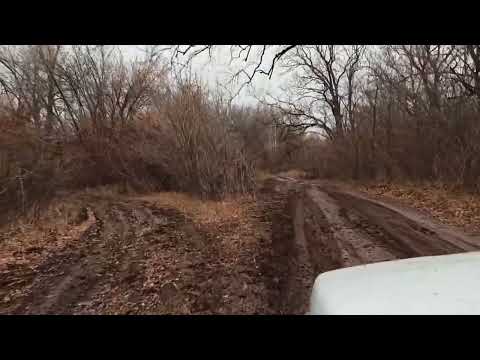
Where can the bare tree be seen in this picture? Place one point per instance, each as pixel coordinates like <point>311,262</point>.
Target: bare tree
<point>323,88</point>
<point>466,69</point>
<point>254,60</point>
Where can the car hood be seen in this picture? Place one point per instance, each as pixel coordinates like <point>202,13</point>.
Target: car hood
<point>445,284</point>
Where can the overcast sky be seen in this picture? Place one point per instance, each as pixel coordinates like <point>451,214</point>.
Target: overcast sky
<point>219,69</point>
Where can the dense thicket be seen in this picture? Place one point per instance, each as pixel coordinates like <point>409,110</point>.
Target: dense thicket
<point>390,112</point>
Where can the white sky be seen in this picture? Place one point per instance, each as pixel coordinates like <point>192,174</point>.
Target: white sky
<point>218,69</point>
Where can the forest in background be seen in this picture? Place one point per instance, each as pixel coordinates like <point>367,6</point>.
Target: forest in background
<point>82,116</point>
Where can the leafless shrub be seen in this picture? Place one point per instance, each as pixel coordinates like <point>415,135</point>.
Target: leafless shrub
<point>76,117</point>
<point>204,157</point>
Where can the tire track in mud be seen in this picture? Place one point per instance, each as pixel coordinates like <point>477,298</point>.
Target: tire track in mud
<point>405,236</point>
<point>286,265</point>
<point>335,228</point>
<point>107,261</point>
<point>68,280</point>
<point>140,257</point>
<point>354,246</point>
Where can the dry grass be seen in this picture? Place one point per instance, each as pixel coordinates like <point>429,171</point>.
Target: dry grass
<point>449,206</point>
<point>26,243</point>
<point>28,240</point>
<point>294,173</point>
<point>203,211</point>
<point>232,224</point>
<point>261,176</point>
<point>230,236</point>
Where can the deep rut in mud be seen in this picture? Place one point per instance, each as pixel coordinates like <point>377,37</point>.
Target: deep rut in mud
<point>108,255</point>
<point>139,258</point>
<point>335,228</point>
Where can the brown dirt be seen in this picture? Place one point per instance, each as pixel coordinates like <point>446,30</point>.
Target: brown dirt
<point>169,253</point>
<point>451,206</point>
<point>139,256</point>
<point>335,227</point>
<point>285,264</point>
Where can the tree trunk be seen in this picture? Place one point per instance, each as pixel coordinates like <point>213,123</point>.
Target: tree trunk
<point>356,168</point>
<point>373,163</point>
<point>388,168</point>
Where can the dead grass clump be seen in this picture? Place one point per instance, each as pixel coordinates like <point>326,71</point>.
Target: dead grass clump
<point>262,176</point>
<point>447,204</point>
<point>294,173</point>
<point>205,212</point>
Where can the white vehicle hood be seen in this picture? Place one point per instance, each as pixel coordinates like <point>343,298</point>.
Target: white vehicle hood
<point>446,284</point>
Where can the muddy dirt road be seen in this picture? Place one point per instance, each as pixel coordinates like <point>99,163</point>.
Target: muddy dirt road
<point>135,256</point>
<point>334,227</point>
